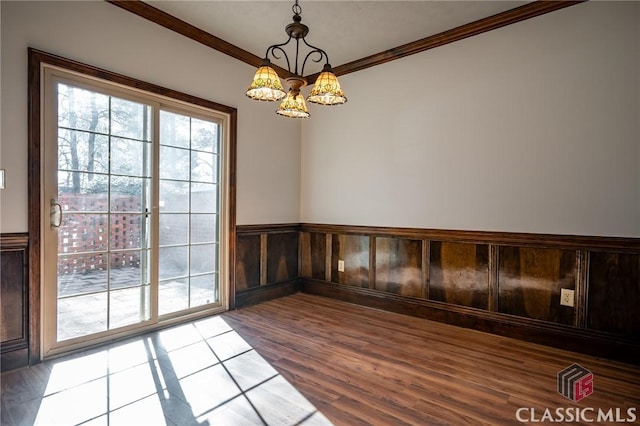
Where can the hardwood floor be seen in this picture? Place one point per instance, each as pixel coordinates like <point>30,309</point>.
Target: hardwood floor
<point>310,360</point>
<point>363,366</point>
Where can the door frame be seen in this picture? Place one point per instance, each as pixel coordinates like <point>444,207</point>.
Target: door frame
<point>36,60</point>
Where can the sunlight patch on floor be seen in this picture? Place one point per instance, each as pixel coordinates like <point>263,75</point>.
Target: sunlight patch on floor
<point>202,373</point>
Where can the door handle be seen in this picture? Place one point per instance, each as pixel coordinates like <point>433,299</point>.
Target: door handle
<point>55,214</point>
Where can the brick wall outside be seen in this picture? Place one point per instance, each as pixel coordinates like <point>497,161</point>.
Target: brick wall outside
<point>89,232</point>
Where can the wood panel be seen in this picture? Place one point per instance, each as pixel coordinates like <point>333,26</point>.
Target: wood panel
<point>256,295</point>
<point>354,250</point>
<point>459,274</point>
<point>14,358</point>
<point>247,261</point>
<point>282,257</point>
<point>399,266</point>
<point>530,279</point>
<point>492,303</point>
<point>14,297</point>
<point>520,239</point>
<point>267,262</point>
<point>614,293</point>
<point>313,253</point>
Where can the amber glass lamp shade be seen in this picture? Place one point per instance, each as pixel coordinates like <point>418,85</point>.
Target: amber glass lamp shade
<point>293,106</point>
<point>266,85</point>
<point>326,90</point>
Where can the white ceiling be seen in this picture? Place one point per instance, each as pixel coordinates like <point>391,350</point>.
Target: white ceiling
<point>346,30</point>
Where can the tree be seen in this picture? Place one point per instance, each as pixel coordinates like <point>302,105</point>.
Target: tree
<point>86,119</point>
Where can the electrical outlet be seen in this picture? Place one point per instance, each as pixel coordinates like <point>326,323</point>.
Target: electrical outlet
<point>567,297</point>
<point>340,265</point>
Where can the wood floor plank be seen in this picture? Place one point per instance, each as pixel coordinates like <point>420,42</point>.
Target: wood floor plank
<point>365,366</point>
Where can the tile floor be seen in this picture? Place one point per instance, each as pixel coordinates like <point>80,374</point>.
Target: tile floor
<point>201,373</point>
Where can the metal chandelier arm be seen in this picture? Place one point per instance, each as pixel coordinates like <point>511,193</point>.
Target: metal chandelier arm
<point>321,52</point>
<point>278,47</point>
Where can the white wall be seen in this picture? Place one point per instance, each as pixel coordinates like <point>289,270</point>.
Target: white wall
<point>540,118</point>
<point>100,34</point>
<point>530,128</point>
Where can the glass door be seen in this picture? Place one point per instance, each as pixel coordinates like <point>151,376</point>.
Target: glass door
<point>189,206</point>
<point>132,218</point>
<point>99,212</point>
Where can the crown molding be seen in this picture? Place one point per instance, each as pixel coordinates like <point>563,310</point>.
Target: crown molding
<point>512,16</point>
<point>153,14</point>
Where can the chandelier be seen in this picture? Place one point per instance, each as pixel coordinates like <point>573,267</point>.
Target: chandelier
<point>266,85</point>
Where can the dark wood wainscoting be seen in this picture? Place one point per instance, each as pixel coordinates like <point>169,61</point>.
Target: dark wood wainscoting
<point>459,273</point>
<point>504,283</point>
<point>614,293</point>
<point>267,263</point>
<point>14,301</point>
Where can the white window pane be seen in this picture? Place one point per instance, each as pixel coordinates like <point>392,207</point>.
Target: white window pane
<point>79,191</point>
<point>204,258</point>
<point>174,129</point>
<point>129,306</point>
<point>129,119</point>
<point>204,198</point>
<point>128,231</point>
<point>80,232</point>
<point>173,262</point>
<point>174,196</point>
<point>126,269</point>
<point>173,296</point>
<point>204,290</point>
<point>83,151</point>
<point>174,229</point>
<point>82,109</point>
<point>204,135</point>
<point>129,194</point>
<point>130,157</point>
<point>81,274</point>
<point>174,163</point>
<point>82,315</point>
<point>204,167</point>
<point>204,228</point>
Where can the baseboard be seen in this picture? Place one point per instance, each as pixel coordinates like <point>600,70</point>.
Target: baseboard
<point>559,336</point>
<point>11,360</point>
<point>256,295</point>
